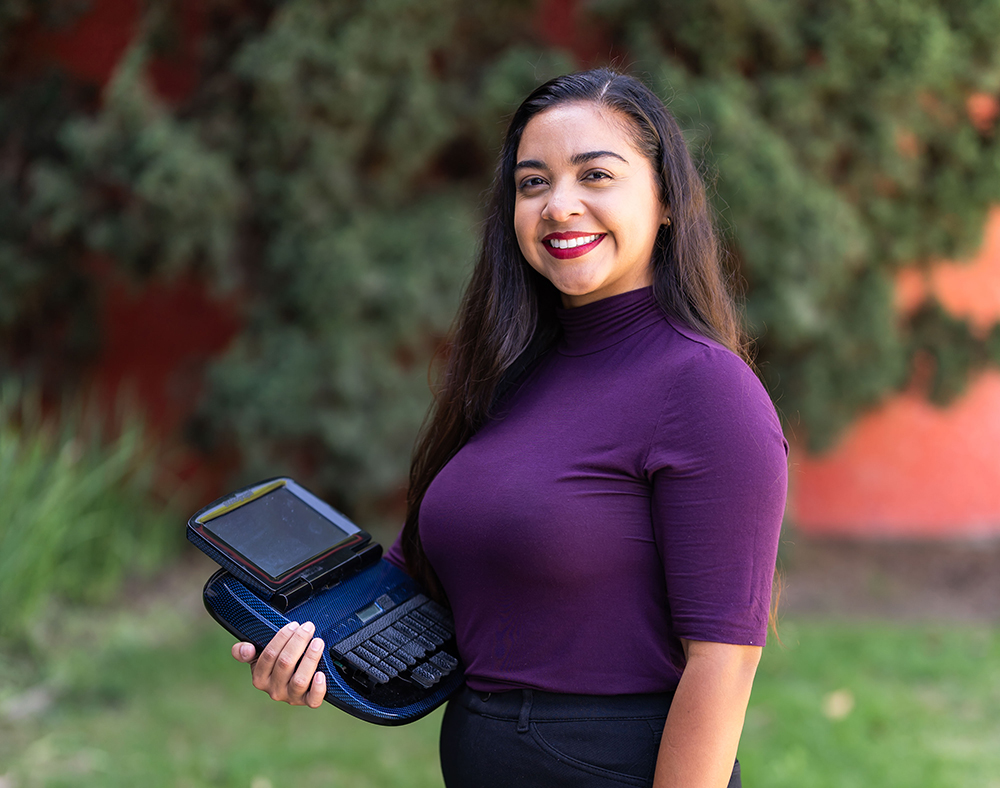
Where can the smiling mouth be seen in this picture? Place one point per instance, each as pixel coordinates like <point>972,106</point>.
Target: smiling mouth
<point>566,248</point>
<point>571,243</point>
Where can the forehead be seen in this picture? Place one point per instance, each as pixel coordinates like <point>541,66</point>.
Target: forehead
<point>577,127</point>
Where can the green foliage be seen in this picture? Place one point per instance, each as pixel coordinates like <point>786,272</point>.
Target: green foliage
<point>46,301</point>
<point>950,351</point>
<point>335,184</point>
<point>75,516</point>
<point>138,183</point>
<point>361,166</point>
<point>329,165</point>
<point>844,151</point>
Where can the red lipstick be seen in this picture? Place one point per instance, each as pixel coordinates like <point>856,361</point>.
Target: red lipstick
<point>570,252</point>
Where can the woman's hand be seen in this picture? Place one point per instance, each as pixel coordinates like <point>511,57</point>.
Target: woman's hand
<point>286,668</point>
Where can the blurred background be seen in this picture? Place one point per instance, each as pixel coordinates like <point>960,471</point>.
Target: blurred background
<point>233,233</point>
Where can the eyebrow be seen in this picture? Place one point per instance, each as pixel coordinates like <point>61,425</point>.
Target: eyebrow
<point>577,159</point>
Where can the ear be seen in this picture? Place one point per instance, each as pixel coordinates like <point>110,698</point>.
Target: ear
<point>665,215</point>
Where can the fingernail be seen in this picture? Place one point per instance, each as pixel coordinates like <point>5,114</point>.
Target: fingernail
<point>247,651</point>
<point>309,627</point>
<point>293,625</point>
<point>316,645</point>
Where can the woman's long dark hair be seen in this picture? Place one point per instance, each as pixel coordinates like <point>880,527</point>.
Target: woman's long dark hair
<point>508,309</point>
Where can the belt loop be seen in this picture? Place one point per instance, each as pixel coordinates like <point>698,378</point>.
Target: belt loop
<point>525,716</point>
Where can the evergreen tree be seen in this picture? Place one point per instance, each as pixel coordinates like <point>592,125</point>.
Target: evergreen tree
<point>330,162</point>
<point>46,301</point>
<point>843,151</point>
<point>329,167</point>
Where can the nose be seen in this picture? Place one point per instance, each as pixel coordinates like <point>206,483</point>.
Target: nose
<point>563,202</point>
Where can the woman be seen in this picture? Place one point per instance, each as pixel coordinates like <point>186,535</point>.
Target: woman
<point>598,489</point>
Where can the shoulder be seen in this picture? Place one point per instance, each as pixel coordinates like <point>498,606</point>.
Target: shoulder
<point>700,369</point>
<point>711,397</point>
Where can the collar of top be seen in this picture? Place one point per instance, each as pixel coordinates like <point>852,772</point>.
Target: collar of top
<point>599,325</point>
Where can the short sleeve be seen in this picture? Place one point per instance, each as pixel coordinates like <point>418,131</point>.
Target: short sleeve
<point>717,463</point>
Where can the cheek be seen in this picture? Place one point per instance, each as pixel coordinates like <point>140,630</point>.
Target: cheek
<point>524,229</point>
<point>643,222</point>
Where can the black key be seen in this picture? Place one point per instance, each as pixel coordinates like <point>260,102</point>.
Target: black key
<point>426,675</point>
<point>373,672</point>
<point>427,667</point>
<point>381,641</point>
<point>386,668</point>
<point>420,618</point>
<point>414,623</point>
<point>375,661</point>
<point>398,663</point>
<point>380,623</point>
<point>375,649</point>
<point>426,672</point>
<point>402,628</point>
<point>445,661</point>
<point>429,645</point>
<point>358,661</point>
<point>441,632</point>
<point>413,649</point>
<point>377,676</point>
<point>416,626</point>
<point>434,611</point>
<point>395,639</point>
<point>404,657</point>
<point>435,639</point>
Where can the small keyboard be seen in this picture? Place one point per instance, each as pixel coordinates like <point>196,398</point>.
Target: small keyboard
<point>405,642</point>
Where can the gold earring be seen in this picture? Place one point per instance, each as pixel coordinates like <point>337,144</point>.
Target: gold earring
<point>667,221</point>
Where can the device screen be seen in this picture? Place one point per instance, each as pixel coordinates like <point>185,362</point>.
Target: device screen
<point>277,532</point>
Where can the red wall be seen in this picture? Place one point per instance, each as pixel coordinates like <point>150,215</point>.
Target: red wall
<point>91,47</point>
<point>909,468</point>
<point>156,339</point>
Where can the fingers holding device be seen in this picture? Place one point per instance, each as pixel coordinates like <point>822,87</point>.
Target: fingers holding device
<point>288,667</point>
<point>371,643</point>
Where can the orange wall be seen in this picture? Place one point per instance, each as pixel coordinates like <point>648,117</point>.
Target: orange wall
<point>909,468</point>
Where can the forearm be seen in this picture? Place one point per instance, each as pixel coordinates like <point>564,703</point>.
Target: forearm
<point>703,728</point>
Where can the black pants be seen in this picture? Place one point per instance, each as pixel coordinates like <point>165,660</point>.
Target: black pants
<point>530,738</point>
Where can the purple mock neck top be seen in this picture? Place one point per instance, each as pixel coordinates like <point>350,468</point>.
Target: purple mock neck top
<point>601,324</point>
<point>628,494</point>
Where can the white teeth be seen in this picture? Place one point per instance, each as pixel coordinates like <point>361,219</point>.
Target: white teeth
<point>573,242</point>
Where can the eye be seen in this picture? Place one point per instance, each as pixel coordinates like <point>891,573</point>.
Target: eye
<point>597,175</point>
<point>530,183</point>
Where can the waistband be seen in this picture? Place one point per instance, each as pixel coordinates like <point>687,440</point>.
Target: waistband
<point>523,705</point>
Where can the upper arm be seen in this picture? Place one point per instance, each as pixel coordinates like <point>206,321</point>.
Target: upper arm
<point>718,470</point>
<point>727,657</point>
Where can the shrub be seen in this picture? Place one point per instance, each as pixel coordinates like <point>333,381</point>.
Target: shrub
<point>76,510</point>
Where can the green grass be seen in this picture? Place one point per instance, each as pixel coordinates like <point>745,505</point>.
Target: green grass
<point>148,695</point>
<point>918,706</point>
<point>154,699</point>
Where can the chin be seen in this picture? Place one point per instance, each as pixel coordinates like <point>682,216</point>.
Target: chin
<point>577,288</point>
